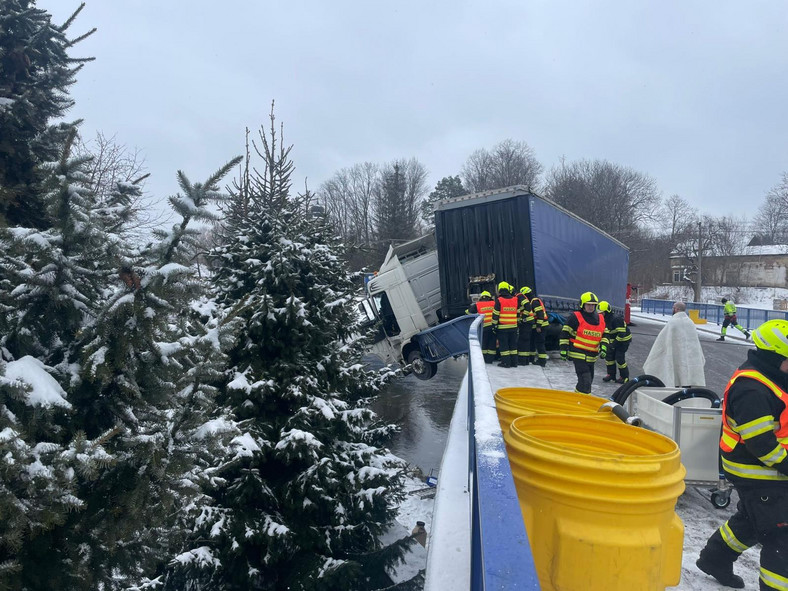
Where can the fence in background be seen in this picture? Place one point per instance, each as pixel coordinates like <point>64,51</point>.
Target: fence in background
<point>747,317</point>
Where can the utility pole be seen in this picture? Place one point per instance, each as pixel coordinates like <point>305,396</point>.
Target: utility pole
<point>699,278</point>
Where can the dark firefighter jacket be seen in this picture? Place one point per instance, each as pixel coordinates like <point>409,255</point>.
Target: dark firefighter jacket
<point>616,330</point>
<point>754,441</point>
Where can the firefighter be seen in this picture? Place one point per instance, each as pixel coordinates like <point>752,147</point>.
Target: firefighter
<point>539,315</point>
<point>505,324</point>
<point>729,317</point>
<point>526,325</point>
<point>485,306</point>
<point>581,338</point>
<point>615,343</point>
<point>754,450</point>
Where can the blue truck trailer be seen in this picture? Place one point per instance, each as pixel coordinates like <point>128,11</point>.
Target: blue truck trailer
<point>517,236</point>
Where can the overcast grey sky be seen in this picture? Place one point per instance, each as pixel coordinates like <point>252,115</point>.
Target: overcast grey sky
<point>694,94</point>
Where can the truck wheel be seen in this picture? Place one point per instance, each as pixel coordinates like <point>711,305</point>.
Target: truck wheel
<point>423,370</point>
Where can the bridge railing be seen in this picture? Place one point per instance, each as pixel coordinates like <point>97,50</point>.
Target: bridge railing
<point>747,317</point>
<point>500,552</point>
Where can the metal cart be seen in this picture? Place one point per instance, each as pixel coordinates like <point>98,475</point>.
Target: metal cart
<point>694,423</point>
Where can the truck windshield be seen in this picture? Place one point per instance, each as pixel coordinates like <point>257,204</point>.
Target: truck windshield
<point>369,317</point>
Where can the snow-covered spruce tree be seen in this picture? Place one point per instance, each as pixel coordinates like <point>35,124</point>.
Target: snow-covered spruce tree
<point>53,278</point>
<point>136,374</point>
<point>35,74</point>
<point>302,493</point>
<point>35,471</point>
<point>50,286</point>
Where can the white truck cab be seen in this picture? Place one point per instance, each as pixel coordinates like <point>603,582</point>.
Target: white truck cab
<point>404,296</point>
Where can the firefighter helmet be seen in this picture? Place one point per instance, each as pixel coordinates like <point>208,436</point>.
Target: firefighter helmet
<point>588,298</point>
<point>604,307</point>
<point>503,285</point>
<point>485,294</point>
<point>525,290</point>
<point>724,300</point>
<point>772,335</point>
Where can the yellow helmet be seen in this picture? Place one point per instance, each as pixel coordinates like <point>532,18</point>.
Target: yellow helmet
<point>525,290</point>
<point>604,306</point>
<point>485,294</point>
<point>772,335</point>
<point>503,285</point>
<point>588,298</point>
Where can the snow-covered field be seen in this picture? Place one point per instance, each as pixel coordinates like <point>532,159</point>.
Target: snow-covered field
<point>699,516</point>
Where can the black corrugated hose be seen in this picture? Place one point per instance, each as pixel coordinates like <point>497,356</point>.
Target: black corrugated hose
<point>625,390</point>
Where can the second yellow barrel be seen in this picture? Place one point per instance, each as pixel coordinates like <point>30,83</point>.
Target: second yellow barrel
<point>517,402</point>
<point>598,500</point>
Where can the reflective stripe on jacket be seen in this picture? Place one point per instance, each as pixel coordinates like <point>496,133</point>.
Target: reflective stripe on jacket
<point>486,307</point>
<point>588,336</point>
<point>505,313</point>
<point>749,466</point>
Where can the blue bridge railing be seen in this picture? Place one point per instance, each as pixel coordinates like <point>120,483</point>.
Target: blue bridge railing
<point>748,317</point>
<point>500,552</point>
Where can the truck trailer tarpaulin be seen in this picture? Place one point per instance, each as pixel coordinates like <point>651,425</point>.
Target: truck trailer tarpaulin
<point>517,236</point>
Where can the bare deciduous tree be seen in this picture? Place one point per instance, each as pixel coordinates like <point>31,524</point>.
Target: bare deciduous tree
<point>772,217</point>
<point>112,168</point>
<point>615,198</point>
<point>507,163</point>
<point>348,198</point>
<point>678,217</point>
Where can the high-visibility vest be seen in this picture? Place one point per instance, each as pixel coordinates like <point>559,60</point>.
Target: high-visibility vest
<point>486,307</point>
<point>588,335</point>
<point>730,438</point>
<point>539,313</point>
<point>507,315</point>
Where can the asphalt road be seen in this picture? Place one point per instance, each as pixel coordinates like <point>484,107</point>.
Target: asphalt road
<point>722,358</point>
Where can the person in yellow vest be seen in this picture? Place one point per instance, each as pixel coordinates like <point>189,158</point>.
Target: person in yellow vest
<point>728,318</point>
<point>614,344</point>
<point>581,338</point>
<point>754,449</point>
<point>485,306</point>
<point>505,324</point>
<point>525,327</point>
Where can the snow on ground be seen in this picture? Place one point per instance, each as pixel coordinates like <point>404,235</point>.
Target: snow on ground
<point>416,506</point>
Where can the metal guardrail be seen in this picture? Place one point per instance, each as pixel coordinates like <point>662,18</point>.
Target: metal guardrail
<point>500,552</point>
<point>748,317</point>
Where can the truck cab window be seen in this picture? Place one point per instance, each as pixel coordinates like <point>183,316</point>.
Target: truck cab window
<point>390,325</point>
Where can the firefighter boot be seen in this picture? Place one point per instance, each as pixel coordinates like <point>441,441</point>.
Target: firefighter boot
<point>608,378</point>
<point>746,335</point>
<point>722,338</point>
<point>722,571</point>
<point>621,380</point>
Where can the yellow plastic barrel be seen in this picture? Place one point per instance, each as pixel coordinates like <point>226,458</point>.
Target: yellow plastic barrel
<point>518,402</point>
<point>598,499</point>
